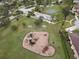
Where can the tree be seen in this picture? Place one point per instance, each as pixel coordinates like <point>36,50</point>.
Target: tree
<point>29,15</point>
<point>6,10</point>
<point>14,27</point>
<point>68,2</point>
<point>39,21</point>
<point>28,2</point>
<point>38,8</point>
<point>65,11</point>
<point>19,12</point>
<point>24,2</point>
<point>48,2</point>
<point>14,4</point>
<point>39,2</point>
<point>24,24</point>
<point>4,21</point>
<point>1,10</point>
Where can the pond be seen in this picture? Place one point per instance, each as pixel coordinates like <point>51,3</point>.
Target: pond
<point>51,11</point>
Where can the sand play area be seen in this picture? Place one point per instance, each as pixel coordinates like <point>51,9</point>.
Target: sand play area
<point>37,42</point>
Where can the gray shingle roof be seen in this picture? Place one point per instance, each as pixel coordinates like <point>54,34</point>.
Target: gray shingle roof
<point>76,1</point>
<point>75,41</point>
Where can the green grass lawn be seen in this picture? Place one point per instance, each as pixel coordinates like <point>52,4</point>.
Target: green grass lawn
<point>11,41</point>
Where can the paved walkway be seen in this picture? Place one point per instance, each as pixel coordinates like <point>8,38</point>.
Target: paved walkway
<point>71,29</point>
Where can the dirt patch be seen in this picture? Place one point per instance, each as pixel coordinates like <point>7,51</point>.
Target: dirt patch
<point>37,42</point>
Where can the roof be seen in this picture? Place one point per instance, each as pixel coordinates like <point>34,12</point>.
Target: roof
<point>26,10</point>
<point>70,29</point>
<point>76,1</point>
<point>77,23</point>
<point>12,17</point>
<point>76,8</point>
<point>75,41</point>
<point>1,3</point>
<point>37,14</point>
<point>45,16</point>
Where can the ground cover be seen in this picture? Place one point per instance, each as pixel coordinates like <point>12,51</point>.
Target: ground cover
<point>11,41</point>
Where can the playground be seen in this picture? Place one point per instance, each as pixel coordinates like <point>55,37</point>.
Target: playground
<point>37,42</point>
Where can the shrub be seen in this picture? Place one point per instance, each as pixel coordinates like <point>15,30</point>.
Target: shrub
<point>28,15</point>
<point>17,19</point>
<point>38,22</point>
<point>14,27</point>
<point>24,24</point>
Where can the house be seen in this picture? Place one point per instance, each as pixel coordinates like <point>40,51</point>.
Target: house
<point>12,17</point>
<point>74,41</point>
<point>74,38</point>
<point>37,14</point>
<point>76,25</point>
<point>76,6</point>
<point>76,1</point>
<point>25,10</point>
<point>6,1</point>
<point>44,16</point>
<point>1,3</point>
<point>71,29</point>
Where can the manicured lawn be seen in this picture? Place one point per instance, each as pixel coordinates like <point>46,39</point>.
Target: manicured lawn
<point>11,41</point>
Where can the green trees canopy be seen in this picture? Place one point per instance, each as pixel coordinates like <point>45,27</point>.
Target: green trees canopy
<point>68,2</point>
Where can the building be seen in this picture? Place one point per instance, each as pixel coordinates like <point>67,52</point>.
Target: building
<point>74,41</point>
<point>9,1</point>
<point>76,1</point>
<point>76,6</point>
<point>37,14</point>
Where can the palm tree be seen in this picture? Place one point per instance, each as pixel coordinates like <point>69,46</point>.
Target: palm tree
<point>65,12</point>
